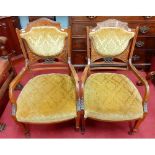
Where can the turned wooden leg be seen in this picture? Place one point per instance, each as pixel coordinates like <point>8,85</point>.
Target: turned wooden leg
<point>83,129</point>
<point>130,126</point>
<point>26,130</point>
<point>83,123</point>
<point>136,127</point>
<point>77,120</point>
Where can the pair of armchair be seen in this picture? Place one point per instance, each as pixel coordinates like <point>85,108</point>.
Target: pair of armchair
<point>55,97</point>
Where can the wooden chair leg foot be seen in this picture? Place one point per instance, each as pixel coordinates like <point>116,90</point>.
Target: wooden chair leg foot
<point>132,132</point>
<point>136,127</point>
<point>130,125</point>
<point>77,129</point>
<point>77,126</point>
<point>83,122</point>
<point>26,131</point>
<point>83,127</point>
<point>27,134</point>
<point>83,131</point>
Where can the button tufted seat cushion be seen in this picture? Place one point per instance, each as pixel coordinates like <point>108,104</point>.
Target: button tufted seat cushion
<point>47,98</point>
<point>112,97</point>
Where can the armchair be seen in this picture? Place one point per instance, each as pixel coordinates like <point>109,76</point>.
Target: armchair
<point>107,96</point>
<point>46,98</point>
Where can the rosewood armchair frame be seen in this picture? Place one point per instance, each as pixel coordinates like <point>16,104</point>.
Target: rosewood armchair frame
<point>57,63</point>
<point>119,62</point>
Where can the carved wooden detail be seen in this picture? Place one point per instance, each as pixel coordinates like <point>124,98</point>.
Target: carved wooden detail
<point>112,23</point>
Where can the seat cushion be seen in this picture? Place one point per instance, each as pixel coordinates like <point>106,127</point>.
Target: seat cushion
<point>47,98</point>
<point>112,97</point>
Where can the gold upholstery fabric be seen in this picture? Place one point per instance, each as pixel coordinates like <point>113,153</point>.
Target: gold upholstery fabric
<point>112,97</point>
<point>47,98</point>
<point>110,41</point>
<point>45,40</point>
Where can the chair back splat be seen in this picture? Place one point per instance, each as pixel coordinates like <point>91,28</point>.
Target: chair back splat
<point>110,44</point>
<point>44,41</point>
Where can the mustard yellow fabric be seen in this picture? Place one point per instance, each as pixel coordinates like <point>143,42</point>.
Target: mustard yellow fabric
<point>47,98</point>
<point>45,40</point>
<point>110,41</point>
<point>112,97</point>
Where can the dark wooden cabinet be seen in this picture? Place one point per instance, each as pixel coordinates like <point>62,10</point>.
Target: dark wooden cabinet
<point>32,18</point>
<point>6,75</point>
<point>7,29</point>
<point>145,46</point>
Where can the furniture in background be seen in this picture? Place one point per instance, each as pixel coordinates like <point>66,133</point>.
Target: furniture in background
<point>46,98</point>
<point>110,96</point>
<point>151,74</point>
<point>6,75</point>
<point>8,24</point>
<point>144,47</point>
<point>32,18</point>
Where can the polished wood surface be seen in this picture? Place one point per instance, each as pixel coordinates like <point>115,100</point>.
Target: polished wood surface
<point>33,18</point>
<point>3,50</point>
<point>8,24</point>
<point>6,75</point>
<point>34,62</point>
<point>144,47</point>
<point>127,64</point>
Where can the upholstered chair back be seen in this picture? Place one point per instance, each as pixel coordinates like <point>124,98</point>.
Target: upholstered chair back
<point>45,40</point>
<point>110,41</point>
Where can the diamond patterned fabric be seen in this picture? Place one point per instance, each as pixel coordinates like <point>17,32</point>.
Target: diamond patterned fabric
<point>47,98</point>
<point>112,97</point>
<point>110,41</point>
<point>45,40</point>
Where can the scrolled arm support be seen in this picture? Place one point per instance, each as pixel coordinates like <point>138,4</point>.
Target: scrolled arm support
<point>14,83</point>
<point>76,79</point>
<point>145,83</point>
<point>83,80</point>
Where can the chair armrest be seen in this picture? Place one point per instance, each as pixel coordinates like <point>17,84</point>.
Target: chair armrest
<point>76,79</point>
<point>83,79</point>
<point>14,83</point>
<point>147,90</point>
